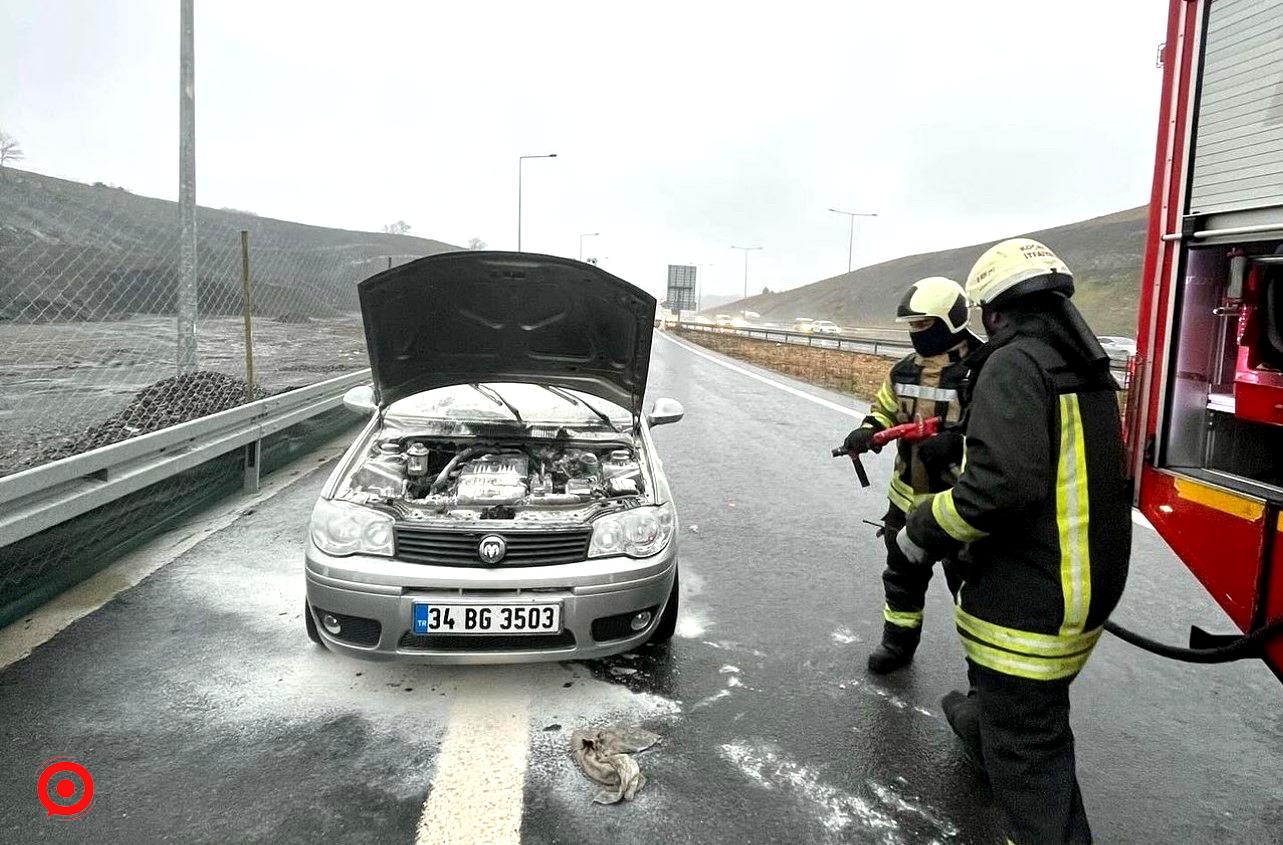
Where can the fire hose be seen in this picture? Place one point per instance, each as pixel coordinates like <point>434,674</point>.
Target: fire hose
<point>1238,648</point>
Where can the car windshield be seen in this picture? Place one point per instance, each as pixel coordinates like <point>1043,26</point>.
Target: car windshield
<point>496,401</point>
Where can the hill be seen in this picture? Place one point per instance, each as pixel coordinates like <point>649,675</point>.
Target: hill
<point>1104,253</point>
<point>71,251</point>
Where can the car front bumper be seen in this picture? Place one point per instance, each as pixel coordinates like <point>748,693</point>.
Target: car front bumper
<point>380,591</point>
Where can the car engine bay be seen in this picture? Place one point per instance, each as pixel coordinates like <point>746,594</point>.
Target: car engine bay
<point>423,478</point>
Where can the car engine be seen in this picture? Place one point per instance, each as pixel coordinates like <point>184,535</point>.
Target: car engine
<point>419,476</point>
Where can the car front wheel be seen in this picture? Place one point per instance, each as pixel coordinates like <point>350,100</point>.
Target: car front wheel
<point>668,621</point>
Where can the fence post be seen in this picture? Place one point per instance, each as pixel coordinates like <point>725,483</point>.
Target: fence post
<point>247,305</point>
<point>186,357</point>
<point>253,450</point>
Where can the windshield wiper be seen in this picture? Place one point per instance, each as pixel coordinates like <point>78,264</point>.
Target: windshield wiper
<point>497,398</point>
<point>570,397</point>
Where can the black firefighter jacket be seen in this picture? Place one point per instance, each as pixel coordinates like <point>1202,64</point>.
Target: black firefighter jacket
<point>1041,504</point>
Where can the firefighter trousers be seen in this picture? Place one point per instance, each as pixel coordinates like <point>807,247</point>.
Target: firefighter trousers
<point>906,582</point>
<point>1027,748</point>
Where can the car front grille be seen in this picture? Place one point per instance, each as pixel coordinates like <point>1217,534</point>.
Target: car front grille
<point>487,642</point>
<point>459,548</point>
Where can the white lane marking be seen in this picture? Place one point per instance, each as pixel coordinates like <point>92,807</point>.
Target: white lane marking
<point>832,406</point>
<point>1139,519</point>
<point>478,792</point>
<point>34,629</point>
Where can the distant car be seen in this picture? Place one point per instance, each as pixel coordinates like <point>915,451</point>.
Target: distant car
<point>504,502</point>
<point>702,320</point>
<point>1117,347</point>
<point>825,327</point>
<point>803,324</point>
<point>723,320</point>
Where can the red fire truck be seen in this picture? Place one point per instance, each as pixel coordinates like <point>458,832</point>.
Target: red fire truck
<point>1206,406</point>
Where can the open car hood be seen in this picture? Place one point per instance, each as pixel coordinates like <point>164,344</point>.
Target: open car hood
<point>469,316</point>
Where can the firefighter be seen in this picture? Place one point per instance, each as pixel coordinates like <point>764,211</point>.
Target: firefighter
<point>1042,510</point>
<point>921,385</point>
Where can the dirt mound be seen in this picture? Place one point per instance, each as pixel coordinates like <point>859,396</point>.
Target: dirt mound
<point>162,404</point>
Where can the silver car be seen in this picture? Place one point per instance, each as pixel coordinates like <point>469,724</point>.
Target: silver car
<point>505,502</point>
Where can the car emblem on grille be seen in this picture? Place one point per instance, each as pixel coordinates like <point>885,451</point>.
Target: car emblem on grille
<point>492,548</point>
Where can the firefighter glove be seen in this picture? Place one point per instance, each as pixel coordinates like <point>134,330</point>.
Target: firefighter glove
<point>941,454</point>
<point>910,549</point>
<point>860,440</point>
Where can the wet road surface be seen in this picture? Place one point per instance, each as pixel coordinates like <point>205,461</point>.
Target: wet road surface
<point>205,715</point>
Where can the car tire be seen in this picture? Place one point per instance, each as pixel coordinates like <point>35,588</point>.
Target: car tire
<point>668,620</point>
<point>310,621</point>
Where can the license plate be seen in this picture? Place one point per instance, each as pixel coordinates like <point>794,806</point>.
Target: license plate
<point>433,618</point>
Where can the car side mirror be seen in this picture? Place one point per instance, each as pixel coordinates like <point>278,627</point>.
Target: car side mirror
<point>665,411</point>
<point>360,399</point>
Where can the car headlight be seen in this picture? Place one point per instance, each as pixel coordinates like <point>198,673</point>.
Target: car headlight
<point>640,532</point>
<point>342,528</point>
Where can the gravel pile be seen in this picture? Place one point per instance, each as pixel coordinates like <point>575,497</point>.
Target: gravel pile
<point>160,405</point>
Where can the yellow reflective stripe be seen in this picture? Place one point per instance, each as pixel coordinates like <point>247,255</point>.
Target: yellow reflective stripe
<point>1072,517</point>
<point>885,420</point>
<point>902,618</point>
<point>1028,643</point>
<point>946,514</point>
<point>903,496</point>
<point>886,398</point>
<point>1024,666</point>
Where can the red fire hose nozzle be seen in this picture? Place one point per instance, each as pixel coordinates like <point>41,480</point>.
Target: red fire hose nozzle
<point>913,432</point>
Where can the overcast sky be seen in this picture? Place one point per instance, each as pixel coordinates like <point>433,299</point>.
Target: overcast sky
<point>680,128</point>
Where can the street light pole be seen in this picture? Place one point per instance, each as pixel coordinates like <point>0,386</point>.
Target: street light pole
<point>850,242</point>
<point>747,250</point>
<point>520,161</point>
<point>581,242</point>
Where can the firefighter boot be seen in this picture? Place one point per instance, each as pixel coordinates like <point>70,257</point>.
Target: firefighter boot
<point>962,713</point>
<point>896,649</point>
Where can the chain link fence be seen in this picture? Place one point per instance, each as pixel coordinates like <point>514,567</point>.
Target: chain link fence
<point>89,281</point>
<point>89,348</point>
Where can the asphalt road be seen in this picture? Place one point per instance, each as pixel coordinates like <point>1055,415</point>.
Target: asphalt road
<point>205,715</point>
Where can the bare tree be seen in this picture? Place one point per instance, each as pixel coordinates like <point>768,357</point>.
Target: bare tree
<point>477,243</point>
<point>400,227</point>
<point>10,150</point>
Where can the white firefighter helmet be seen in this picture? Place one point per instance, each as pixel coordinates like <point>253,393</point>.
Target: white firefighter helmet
<point>1017,267</point>
<point>937,297</point>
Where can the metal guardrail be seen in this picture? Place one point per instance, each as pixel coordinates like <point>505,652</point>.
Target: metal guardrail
<point>844,342</point>
<point>44,496</point>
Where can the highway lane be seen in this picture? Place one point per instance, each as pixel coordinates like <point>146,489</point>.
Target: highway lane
<point>205,715</point>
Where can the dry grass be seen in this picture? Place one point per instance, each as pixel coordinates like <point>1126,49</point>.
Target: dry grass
<point>850,372</point>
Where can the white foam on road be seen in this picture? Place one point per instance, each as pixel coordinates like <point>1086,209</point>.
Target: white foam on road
<point>778,385</point>
<point>844,636</point>
<point>880,819</point>
<point>837,810</point>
